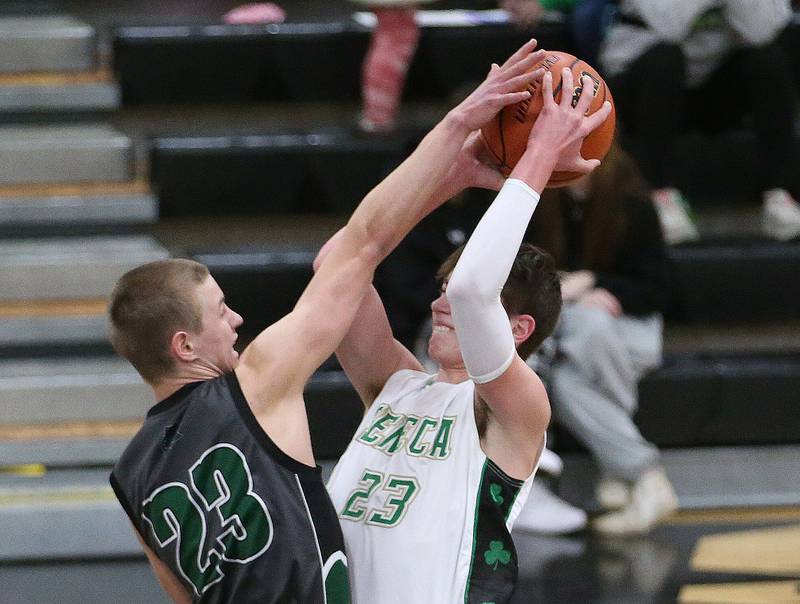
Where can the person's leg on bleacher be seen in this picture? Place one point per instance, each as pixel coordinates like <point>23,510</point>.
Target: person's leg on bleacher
<point>651,100</point>
<point>595,394</point>
<point>773,115</point>
<point>383,77</point>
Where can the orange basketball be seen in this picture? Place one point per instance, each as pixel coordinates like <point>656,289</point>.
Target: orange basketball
<point>507,135</point>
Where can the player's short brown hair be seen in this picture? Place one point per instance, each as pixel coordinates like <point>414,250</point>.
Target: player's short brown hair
<point>533,288</point>
<point>148,305</point>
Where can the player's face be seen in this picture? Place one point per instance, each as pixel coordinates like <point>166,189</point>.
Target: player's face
<point>443,345</point>
<point>214,344</point>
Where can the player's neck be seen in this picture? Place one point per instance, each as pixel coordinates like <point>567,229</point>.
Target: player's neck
<point>171,384</point>
<point>452,375</point>
<point>164,389</point>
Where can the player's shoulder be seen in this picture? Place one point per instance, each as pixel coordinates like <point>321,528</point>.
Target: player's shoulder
<point>406,378</point>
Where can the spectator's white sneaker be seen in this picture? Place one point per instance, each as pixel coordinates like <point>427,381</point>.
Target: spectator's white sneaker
<point>780,215</point>
<point>675,216</point>
<point>612,493</point>
<point>547,514</point>
<point>652,498</point>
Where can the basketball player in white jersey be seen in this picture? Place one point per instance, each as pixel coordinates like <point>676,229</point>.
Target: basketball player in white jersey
<point>441,465</point>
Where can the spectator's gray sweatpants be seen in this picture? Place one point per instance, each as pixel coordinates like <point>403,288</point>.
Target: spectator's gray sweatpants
<point>594,384</point>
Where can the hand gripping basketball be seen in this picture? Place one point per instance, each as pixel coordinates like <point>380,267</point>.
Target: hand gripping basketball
<point>506,136</point>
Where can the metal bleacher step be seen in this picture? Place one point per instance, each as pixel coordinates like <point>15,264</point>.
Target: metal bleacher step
<point>46,43</point>
<point>70,268</point>
<point>718,300</point>
<point>738,339</point>
<point>49,324</point>
<point>30,92</point>
<point>31,447</point>
<point>77,203</point>
<point>68,390</point>
<point>70,153</point>
<point>167,63</point>
<point>270,173</point>
<point>62,514</point>
<point>77,413</point>
<point>728,220</point>
<point>736,281</point>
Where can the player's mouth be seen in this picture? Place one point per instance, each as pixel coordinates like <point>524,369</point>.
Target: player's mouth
<point>442,329</point>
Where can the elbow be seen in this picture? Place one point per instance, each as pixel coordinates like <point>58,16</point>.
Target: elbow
<point>317,262</point>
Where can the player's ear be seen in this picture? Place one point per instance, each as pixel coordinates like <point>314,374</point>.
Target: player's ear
<point>181,347</point>
<point>522,327</point>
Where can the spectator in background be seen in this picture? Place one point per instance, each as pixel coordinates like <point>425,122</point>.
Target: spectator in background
<point>391,50</point>
<point>525,13</point>
<point>790,40</point>
<point>255,12</point>
<point>587,20</point>
<point>667,62</point>
<point>603,231</point>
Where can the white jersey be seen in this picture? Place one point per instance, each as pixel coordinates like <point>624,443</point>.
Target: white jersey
<point>425,514</point>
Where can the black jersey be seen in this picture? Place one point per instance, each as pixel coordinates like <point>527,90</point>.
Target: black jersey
<point>235,518</point>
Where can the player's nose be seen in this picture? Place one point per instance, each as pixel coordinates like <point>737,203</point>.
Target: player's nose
<point>440,304</point>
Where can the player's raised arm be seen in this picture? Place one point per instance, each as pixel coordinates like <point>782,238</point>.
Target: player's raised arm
<point>488,333</point>
<point>369,352</point>
<point>298,344</point>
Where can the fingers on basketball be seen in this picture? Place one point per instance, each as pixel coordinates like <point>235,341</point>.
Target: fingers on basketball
<point>506,136</point>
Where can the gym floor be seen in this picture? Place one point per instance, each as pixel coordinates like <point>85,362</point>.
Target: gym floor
<point>696,557</point>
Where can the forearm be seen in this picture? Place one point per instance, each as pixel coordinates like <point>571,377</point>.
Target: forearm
<point>410,192</point>
<point>481,322</point>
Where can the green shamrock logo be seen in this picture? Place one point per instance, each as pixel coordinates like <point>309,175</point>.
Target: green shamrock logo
<point>494,492</point>
<point>496,554</point>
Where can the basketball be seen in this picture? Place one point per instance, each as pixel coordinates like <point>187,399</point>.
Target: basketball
<point>507,135</point>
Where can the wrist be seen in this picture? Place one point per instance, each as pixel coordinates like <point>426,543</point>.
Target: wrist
<point>455,123</point>
<point>535,166</point>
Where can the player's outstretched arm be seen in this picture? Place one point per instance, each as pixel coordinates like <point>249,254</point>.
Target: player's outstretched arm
<point>282,358</point>
<point>369,352</point>
<point>516,398</point>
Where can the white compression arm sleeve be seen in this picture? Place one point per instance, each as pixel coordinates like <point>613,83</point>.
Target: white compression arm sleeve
<point>482,325</point>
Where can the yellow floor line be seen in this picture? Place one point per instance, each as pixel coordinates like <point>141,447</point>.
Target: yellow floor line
<point>766,592</point>
<point>734,515</point>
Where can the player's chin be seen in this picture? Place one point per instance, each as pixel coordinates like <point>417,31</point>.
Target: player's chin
<point>436,347</point>
<point>233,361</point>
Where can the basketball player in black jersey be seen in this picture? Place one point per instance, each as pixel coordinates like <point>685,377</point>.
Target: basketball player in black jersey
<point>220,483</point>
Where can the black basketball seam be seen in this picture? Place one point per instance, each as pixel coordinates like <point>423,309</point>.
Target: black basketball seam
<point>502,141</point>
<point>558,88</point>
